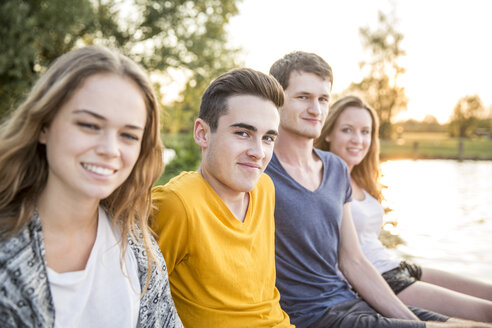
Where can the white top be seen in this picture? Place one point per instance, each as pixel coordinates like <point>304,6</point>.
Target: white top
<point>103,294</point>
<point>367,215</point>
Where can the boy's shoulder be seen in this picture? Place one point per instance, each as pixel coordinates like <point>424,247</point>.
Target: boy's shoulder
<point>184,182</point>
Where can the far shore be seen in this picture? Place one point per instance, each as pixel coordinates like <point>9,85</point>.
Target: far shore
<point>435,145</point>
<point>392,157</point>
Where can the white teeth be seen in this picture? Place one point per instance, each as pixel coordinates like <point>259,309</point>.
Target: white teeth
<point>98,169</point>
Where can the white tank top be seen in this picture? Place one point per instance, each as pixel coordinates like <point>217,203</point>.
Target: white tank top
<point>106,293</point>
<point>368,219</point>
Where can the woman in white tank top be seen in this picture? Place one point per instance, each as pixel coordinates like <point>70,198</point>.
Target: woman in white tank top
<point>77,162</point>
<point>351,132</point>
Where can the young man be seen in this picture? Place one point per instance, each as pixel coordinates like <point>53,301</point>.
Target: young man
<point>314,229</point>
<point>216,226</point>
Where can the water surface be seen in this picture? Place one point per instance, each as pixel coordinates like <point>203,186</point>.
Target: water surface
<point>443,210</point>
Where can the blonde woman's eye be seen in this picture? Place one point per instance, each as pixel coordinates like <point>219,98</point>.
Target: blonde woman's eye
<point>88,126</point>
<point>130,136</point>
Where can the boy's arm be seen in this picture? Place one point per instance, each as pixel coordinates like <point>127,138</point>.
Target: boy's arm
<point>362,275</point>
<point>170,224</point>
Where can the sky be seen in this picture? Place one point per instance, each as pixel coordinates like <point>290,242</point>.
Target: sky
<point>448,44</point>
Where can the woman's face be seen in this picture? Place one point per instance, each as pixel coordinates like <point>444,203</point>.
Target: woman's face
<point>351,136</point>
<point>94,140</point>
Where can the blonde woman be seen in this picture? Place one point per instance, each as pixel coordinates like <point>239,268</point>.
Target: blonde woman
<point>77,162</point>
<point>350,131</point>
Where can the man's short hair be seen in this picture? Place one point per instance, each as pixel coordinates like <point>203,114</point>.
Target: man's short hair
<point>301,62</point>
<point>240,81</point>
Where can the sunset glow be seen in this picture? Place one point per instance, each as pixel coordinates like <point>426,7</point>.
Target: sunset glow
<point>447,44</point>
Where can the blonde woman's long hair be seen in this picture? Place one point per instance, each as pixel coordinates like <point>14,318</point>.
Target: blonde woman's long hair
<point>366,174</point>
<point>23,164</point>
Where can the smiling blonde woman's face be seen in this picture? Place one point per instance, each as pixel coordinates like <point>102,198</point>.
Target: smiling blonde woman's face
<point>94,140</point>
<point>350,138</point>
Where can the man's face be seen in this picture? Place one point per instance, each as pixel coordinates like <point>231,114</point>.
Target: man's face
<point>237,153</point>
<point>306,105</point>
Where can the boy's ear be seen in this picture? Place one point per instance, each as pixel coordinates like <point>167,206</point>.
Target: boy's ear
<point>201,133</point>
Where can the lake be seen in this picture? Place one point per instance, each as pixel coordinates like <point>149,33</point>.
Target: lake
<point>443,211</point>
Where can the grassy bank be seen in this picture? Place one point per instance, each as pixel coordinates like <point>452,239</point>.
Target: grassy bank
<point>435,145</point>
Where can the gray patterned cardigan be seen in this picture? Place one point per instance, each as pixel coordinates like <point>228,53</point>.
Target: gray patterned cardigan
<point>25,296</point>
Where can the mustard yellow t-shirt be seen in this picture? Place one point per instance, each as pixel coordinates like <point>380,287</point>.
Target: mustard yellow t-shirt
<point>221,270</point>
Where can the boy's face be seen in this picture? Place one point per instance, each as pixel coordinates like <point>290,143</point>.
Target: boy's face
<point>237,153</point>
<point>306,105</point>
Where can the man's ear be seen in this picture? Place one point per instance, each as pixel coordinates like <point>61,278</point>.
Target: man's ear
<point>201,133</point>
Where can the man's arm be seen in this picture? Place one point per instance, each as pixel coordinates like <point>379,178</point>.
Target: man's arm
<point>362,275</point>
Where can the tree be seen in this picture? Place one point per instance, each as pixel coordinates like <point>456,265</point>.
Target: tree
<point>430,119</point>
<point>380,86</point>
<point>466,114</point>
<point>33,34</point>
<point>159,34</point>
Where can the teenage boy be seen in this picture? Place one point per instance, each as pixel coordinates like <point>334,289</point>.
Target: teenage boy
<point>216,225</point>
<point>314,229</point>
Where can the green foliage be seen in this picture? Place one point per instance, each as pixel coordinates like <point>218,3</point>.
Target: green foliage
<point>180,115</point>
<point>466,115</point>
<point>188,156</point>
<point>159,34</point>
<point>379,87</point>
<point>33,34</point>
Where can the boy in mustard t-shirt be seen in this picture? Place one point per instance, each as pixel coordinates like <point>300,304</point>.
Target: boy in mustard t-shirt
<point>216,226</point>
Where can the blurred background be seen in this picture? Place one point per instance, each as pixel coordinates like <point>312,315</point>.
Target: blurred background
<point>425,66</point>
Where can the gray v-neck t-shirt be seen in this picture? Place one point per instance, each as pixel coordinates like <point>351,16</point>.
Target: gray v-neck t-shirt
<point>307,235</point>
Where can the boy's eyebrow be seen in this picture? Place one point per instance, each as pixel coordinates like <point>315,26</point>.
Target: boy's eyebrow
<point>244,126</point>
<point>252,128</point>
<point>102,118</point>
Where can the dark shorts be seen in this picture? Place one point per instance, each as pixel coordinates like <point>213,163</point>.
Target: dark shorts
<point>357,313</point>
<point>402,276</point>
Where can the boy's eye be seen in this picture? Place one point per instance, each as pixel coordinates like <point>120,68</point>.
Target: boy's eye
<point>269,139</point>
<point>241,133</point>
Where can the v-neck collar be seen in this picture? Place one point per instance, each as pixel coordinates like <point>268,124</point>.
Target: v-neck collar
<point>317,152</point>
